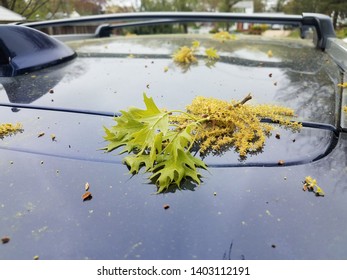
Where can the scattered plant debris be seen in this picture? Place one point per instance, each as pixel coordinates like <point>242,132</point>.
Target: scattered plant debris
<point>8,129</point>
<point>343,85</point>
<point>166,206</point>
<point>310,185</point>
<point>5,239</point>
<point>224,36</point>
<point>186,55</point>
<point>87,196</point>
<point>211,54</point>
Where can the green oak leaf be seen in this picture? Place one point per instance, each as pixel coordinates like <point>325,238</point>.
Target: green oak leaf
<point>155,143</point>
<point>135,162</point>
<point>122,133</point>
<point>136,129</point>
<point>138,160</point>
<point>176,163</point>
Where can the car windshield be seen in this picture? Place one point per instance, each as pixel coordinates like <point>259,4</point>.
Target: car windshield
<point>283,72</point>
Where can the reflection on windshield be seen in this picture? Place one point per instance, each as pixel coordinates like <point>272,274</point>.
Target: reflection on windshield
<point>26,89</point>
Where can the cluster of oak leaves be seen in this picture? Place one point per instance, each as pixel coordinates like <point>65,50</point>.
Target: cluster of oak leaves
<point>164,143</point>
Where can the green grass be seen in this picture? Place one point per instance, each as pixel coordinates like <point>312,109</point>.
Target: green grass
<point>341,32</point>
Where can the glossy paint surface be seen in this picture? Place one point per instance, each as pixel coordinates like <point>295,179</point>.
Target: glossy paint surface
<point>252,209</point>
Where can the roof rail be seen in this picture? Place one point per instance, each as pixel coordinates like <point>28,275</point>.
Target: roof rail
<point>321,23</point>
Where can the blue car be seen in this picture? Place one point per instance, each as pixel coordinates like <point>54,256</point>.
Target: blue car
<point>75,184</point>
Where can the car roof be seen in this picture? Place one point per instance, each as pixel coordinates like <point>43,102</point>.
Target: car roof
<point>243,209</point>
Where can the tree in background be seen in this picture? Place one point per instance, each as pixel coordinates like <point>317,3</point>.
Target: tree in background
<point>188,5</point>
<point>39,9</point>
<point>155,5</point>
<point>227,5</point>
<point>279,6</point>
<point>299,6</point>
<point>334,8</point>
<point>27,9</point>
<point>171,5</point>
<point>259,6</point>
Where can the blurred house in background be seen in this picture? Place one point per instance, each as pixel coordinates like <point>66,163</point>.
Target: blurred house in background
<point>243,7</point>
